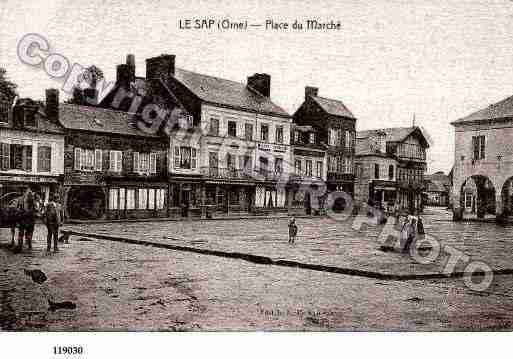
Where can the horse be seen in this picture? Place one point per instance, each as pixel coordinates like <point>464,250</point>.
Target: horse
<point>14,214</point>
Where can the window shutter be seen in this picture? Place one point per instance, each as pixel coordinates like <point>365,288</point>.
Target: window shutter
<point>475,147</point>
<point>4,156</point>
<point>193,158</point>
<point>119,161</point>
<point>77,158</point>
<point>153,162</point>
<point>112,161</point>
<point>136,162</point>
<point>177,157</point>
<point>482,147</point>
<point>97,160</point>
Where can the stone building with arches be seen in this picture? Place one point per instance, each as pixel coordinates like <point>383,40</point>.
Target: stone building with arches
<point>484,154</point>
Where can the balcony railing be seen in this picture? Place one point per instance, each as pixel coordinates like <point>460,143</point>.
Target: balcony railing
<point>413,183</point>
<point>336,176</point>
<point>255,174</point>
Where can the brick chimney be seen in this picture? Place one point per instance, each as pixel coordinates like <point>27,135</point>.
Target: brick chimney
<point>52,105</point>
<point>260,83</point>
<point>311,91</point>
<point>125,73</point>
<point>160,67</point>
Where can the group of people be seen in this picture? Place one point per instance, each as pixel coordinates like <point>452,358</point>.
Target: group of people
<point>30,209</point>
<point>412,226</point>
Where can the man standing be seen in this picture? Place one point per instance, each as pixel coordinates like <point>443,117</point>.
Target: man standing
<point>53,220</point>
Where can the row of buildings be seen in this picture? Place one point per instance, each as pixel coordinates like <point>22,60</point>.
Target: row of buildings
<point>179,143</point>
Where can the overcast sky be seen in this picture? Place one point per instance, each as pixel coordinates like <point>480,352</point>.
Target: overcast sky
<point>390,60</point>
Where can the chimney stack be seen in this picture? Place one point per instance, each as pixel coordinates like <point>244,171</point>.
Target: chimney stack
<point>125,73</point>
<point>52,105</point>
<point>311,91</point>
<point>160,67</point>
<point>260,83</point>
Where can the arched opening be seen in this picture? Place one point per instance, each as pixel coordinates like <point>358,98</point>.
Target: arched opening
<point>86,203</point>
<point>477,197</point>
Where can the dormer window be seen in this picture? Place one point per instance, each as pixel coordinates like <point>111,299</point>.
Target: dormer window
<point>185,122</point>
<point>296,136</point>
<point>4,111</point>
<point>30,119</point>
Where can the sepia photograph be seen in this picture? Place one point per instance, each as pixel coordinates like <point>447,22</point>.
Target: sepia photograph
<point>255,166</point>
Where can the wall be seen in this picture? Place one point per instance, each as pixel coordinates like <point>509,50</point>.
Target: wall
<point>35,139</point>
<point>498,163</point>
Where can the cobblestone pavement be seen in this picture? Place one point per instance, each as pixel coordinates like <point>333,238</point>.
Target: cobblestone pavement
<point>325,241</point>
<point>132,287</point>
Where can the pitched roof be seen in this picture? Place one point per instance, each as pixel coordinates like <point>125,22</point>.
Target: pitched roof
<point>436,186</point>
<point>87,118</point>
<point>227,92</point>
<point>333,107</point>
<point>392,134</point>
<point>501,109</point>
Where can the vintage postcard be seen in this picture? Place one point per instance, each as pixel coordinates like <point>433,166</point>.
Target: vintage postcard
<point>296,166</point>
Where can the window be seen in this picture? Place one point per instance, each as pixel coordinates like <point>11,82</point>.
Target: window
<point>264,162</point>
<point>308,168</point>
<point>331,137</point>
<point>296,136</point>
<point>376,170</point>
<point>213,161</point>
<point>97,160</point>
<point>130,199</point>
<point>478,145</point>
<point>185,122</point>
<point>21,157</point>
<point>391,172</point>
<point>230,161</point>
<point>44,158</point>
<point>248,131</point>
<point>160,198</point>
<point>4,111</point>
<point>232,128</point>
<point>312,137</point>
<point>145,162</point>
<point>5,155</point>
<point>279,134</point>
<point>340,164</point>
<point>115,161</point>
<point>214,127</point>
<point>331,164</point>
<point>122,192</point>
<point>185,158</point>
<point>349,139</point>
<point>113,198</point>
<point>30,118</point>
<point>153,162</point>
<point>264,133</point>
<point>319,169</point>
<point>359,170</point>
<point>143,198</point>
<point>151,198</point>
<point>297,167</point>
<point>245,163</point>
<point>278,165</point>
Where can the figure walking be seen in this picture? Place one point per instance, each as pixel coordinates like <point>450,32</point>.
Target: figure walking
<point>53,220</point>
<point>292,230</point>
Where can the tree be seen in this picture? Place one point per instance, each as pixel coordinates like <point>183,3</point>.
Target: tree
<point>91,75</point>
<point>7,88</point>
